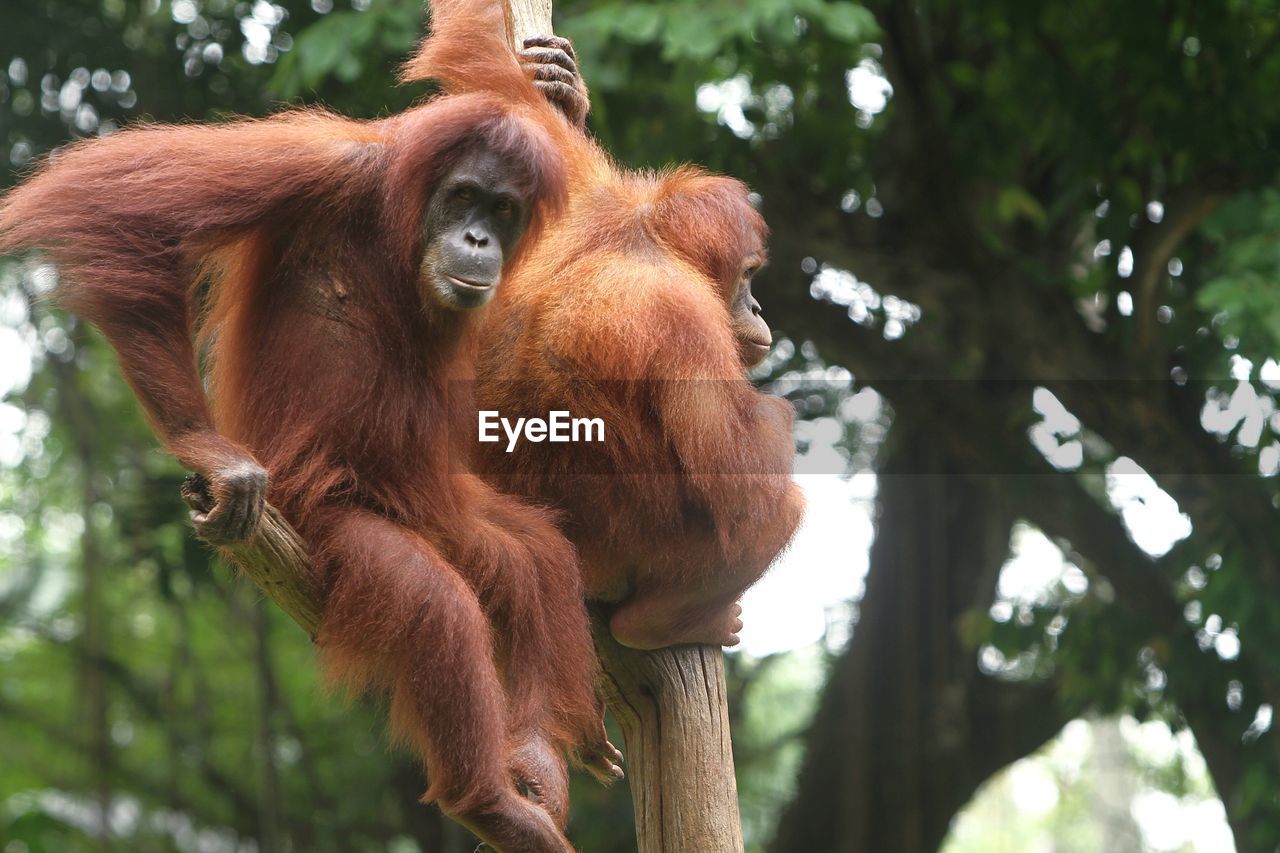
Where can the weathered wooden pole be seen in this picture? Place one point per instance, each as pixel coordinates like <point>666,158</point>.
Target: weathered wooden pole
<point>275,559</point>
<point>526,18</point>
<point>670,704</point>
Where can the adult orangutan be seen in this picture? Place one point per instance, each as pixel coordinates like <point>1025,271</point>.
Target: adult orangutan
<point>637,308</point>
<point>345,263</point>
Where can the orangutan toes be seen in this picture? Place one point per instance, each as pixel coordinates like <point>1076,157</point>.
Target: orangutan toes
<point>602,760</point>
<point>719,627</point>
<point>655,623</point>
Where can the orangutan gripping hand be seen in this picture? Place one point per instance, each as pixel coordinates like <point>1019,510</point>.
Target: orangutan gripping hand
<point>551,62</point>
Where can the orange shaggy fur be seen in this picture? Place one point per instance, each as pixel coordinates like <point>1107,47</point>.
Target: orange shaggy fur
<point>623,312</point>
<point>332,372</point>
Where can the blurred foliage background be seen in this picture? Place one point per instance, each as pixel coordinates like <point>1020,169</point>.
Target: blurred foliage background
<point>1024,257</point>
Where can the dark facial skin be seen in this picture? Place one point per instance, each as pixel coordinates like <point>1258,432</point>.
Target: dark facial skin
<point>752,332</point>
<point>474,222</point>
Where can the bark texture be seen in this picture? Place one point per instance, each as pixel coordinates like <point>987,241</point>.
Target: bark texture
<point>909,727</point>
<point>671,705</point>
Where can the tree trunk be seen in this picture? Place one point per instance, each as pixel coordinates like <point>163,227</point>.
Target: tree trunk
<point>270,807</point>
<point>77,409</point>
<point>908,727</point>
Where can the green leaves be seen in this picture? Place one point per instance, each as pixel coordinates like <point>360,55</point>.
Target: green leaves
<point>700,31</point>
<point>1242,288</point>
<point>634,22</point>
<point>1014,203</point>
<point>848,22</point>
<point>345,45</point>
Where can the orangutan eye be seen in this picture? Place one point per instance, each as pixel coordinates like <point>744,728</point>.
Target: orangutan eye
<point>504,207</point>
<point>465,194</point>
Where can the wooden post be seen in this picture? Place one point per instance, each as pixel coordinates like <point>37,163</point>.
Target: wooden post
<point>527,18</point>
<point>671,703</point>
<point>275,559</point>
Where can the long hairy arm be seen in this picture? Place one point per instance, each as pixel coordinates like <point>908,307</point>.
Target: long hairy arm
<point>734,443</point>
<point>126,220</point>
<point>118,214</point>
<point>467,51</point>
